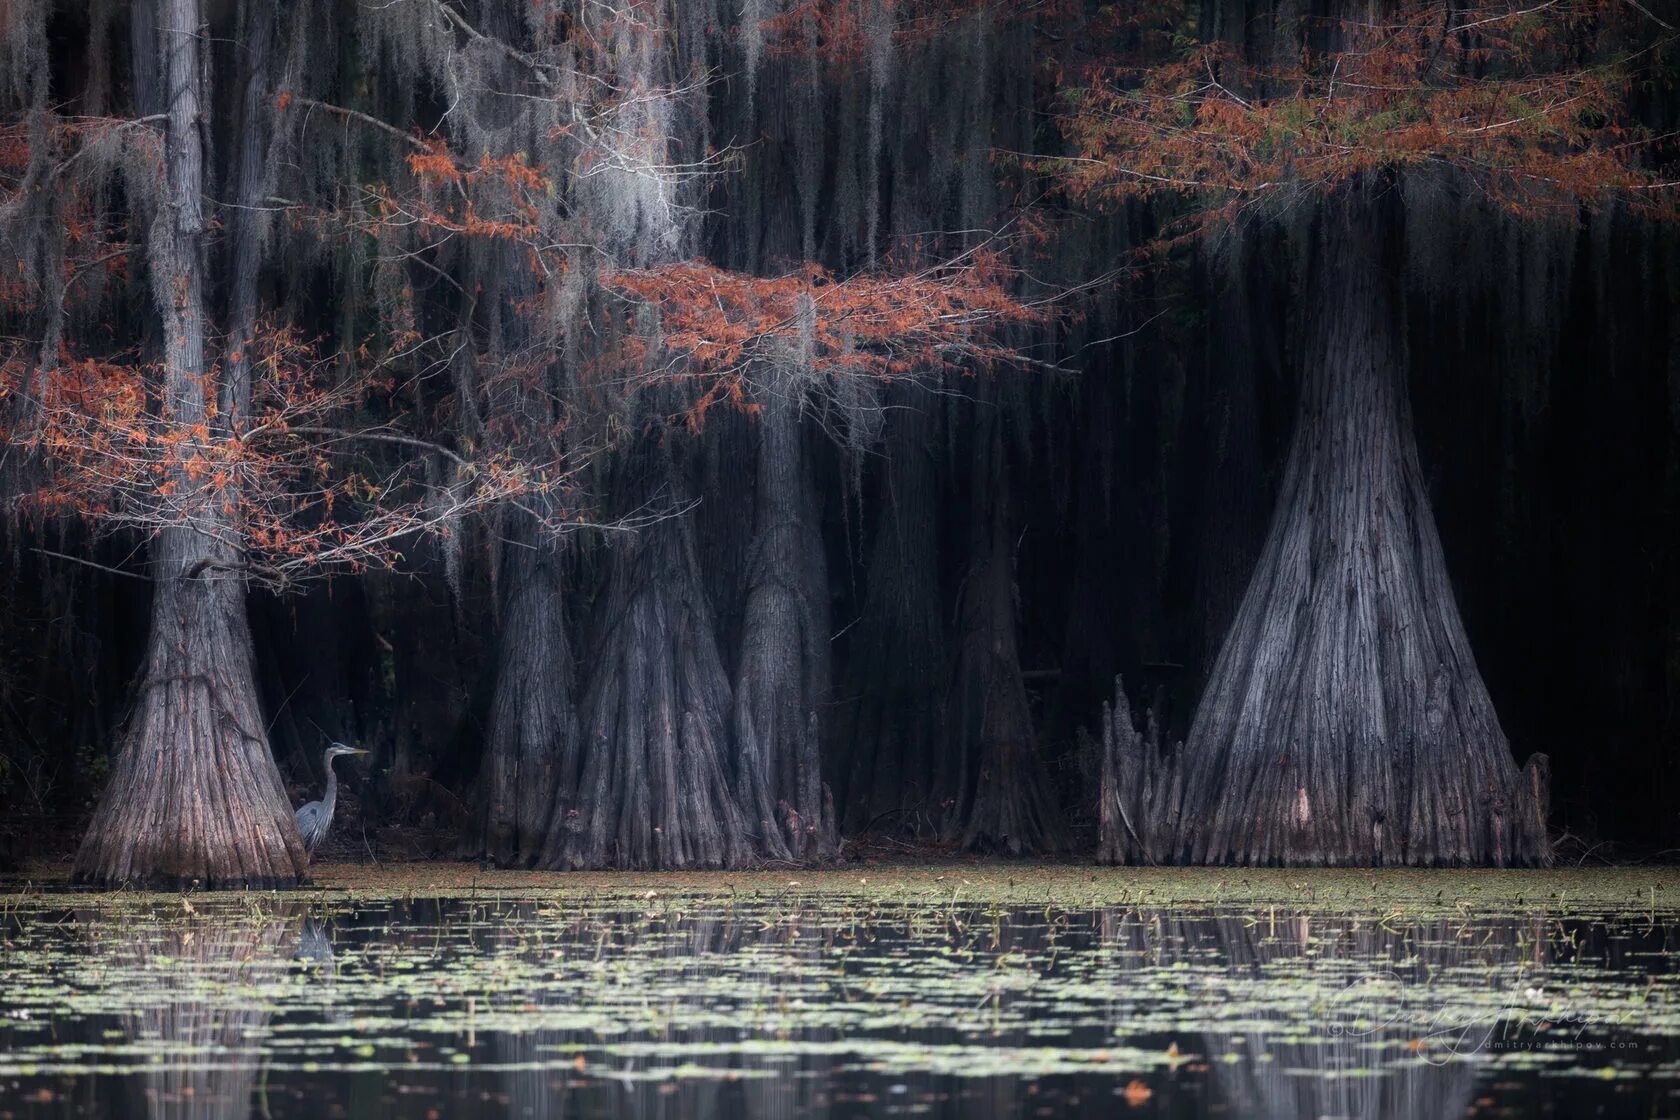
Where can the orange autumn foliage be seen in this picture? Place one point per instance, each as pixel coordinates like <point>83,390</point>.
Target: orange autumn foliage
<point>510,180</point>
<point>295,480</point>
<point>716,326</point>
<point>90,248</point>
<point>285,486</point>
<point>1529,102</point>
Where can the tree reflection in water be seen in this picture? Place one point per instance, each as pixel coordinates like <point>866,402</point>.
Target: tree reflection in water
<point>784,1007</point>
<point>1365,1035</point>
<point>542,1083</point>
<point>1361,1040</point>
<point>214,975</point>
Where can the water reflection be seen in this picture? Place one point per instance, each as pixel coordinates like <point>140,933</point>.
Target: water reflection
<point>782,1007</point>
<point>315,942</point>
<point>1342,1021</point>
<point>204,981</point>
<point>703,948</point>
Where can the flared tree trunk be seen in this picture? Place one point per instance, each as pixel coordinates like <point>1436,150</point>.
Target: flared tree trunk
<point>782,684</point>
<point>649,787</point>
<point>1345,721</point>
<point>194,796</point>
<point>533,721</point>
<point>1241,375</point>
<point>895,732</point>
<point>1009,805</point>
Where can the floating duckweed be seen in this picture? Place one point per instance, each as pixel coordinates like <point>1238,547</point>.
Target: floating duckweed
<point>1425,993</point>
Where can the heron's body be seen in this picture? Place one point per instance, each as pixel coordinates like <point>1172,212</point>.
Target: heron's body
<point>315,818</point>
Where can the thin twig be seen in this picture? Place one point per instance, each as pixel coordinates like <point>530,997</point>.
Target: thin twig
<point>91,564</point>
<point>375,122</point>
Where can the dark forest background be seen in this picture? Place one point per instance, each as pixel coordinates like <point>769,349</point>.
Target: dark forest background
<point>1139,475</point>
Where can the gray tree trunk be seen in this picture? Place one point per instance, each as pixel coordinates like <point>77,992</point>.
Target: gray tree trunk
<point>895,730</point>
<point>533,718</point>
<point>1003,786</point>
<point>1345,721</point>
<point>782,684</point>
<point>194,796</point>
<point>649,785</point>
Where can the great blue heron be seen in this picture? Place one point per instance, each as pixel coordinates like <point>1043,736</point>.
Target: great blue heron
<point>315,818</point>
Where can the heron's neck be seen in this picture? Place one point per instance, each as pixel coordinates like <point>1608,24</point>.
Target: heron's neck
<point>331,797</point>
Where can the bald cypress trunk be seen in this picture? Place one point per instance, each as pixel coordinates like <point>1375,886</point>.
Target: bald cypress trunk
<point>533,722</point>
<point>194,795</point>
<point>782,685</point>
<point>649,786</point>
<point>247,217</point>
<point>1008,805</point>
<point>895,735</point>
<point>1345,721</point>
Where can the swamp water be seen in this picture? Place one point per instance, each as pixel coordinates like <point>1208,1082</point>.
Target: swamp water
<point>956,991</point>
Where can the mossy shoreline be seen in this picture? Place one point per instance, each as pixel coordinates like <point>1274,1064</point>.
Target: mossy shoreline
<point>1067,886</point>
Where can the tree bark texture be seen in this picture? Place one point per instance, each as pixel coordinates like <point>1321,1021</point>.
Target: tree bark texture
<point>533,725</point>
<point>894,734</point>
<point>649,787</point>
<point>194,795</point>
<point>1345,721</point>
<point>1009,804</point>
<point>1139,789</point>
<point>781,687</point>
<point>247,217</point>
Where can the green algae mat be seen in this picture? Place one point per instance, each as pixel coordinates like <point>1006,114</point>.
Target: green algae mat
<point>959,990</point>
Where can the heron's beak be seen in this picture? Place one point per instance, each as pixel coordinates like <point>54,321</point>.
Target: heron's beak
<point>357,750</point>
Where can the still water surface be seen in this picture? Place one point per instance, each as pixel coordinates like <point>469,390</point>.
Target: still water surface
<point>949,994</point>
